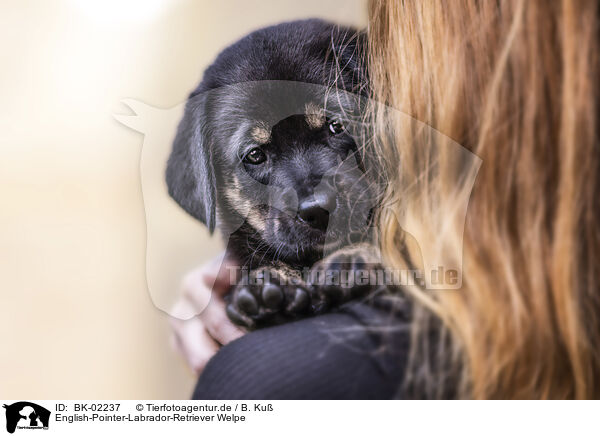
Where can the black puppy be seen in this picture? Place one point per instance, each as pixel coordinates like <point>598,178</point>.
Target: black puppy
<point>267,152</point>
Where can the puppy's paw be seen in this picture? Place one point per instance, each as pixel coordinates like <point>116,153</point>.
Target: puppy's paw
<point>267,298</point>
<point>344,275</point>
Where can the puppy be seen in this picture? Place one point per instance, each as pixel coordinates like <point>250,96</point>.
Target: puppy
<point>267,153</point>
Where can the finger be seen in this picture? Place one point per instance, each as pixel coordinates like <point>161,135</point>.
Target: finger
<point>218,325</point>
<point>193,341</point>
<point>199,284</point>
<point>220,275</point>
<point>196,295</point>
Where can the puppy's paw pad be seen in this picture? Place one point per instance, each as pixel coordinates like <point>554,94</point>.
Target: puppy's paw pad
<point>238,317</point>
<point>245,301</point>
<point>272,296</point>
<point>299,301</point>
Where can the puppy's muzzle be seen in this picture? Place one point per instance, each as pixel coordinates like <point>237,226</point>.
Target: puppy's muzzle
<point>315,210</point>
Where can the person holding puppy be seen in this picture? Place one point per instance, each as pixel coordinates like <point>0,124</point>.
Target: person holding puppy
<point>514,82</point>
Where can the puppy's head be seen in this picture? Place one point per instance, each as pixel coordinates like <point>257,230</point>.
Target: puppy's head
<point>269,137</point>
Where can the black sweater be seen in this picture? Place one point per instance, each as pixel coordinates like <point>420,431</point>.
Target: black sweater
<point>358,352</point>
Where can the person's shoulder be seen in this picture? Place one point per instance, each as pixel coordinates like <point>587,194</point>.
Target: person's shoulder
<point>313,358</point>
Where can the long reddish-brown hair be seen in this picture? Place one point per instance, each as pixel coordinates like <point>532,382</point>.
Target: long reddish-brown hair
<point>516,83</point>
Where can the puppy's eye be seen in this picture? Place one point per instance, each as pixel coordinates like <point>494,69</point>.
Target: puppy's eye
<point>336,127</point>
<point>254,157</point>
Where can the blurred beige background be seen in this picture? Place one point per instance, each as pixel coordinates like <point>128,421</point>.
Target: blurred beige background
<point>76,318</point>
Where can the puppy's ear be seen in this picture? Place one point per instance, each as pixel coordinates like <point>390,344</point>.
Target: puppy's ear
<point>190,175</point>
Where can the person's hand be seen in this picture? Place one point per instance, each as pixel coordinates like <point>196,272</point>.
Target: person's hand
<point>201,336</point>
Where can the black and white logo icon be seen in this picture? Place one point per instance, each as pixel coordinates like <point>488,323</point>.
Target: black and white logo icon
<point>26,415</point>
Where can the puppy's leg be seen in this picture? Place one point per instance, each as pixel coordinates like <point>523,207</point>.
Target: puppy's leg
<point>277,294</point>
<point>348,273</point>
<point>268,296</point>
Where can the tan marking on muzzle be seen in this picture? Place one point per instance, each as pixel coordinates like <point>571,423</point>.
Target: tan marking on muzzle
<point>243,205</point>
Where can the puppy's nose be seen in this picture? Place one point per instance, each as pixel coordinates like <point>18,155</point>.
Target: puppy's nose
<point>315,210</point>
